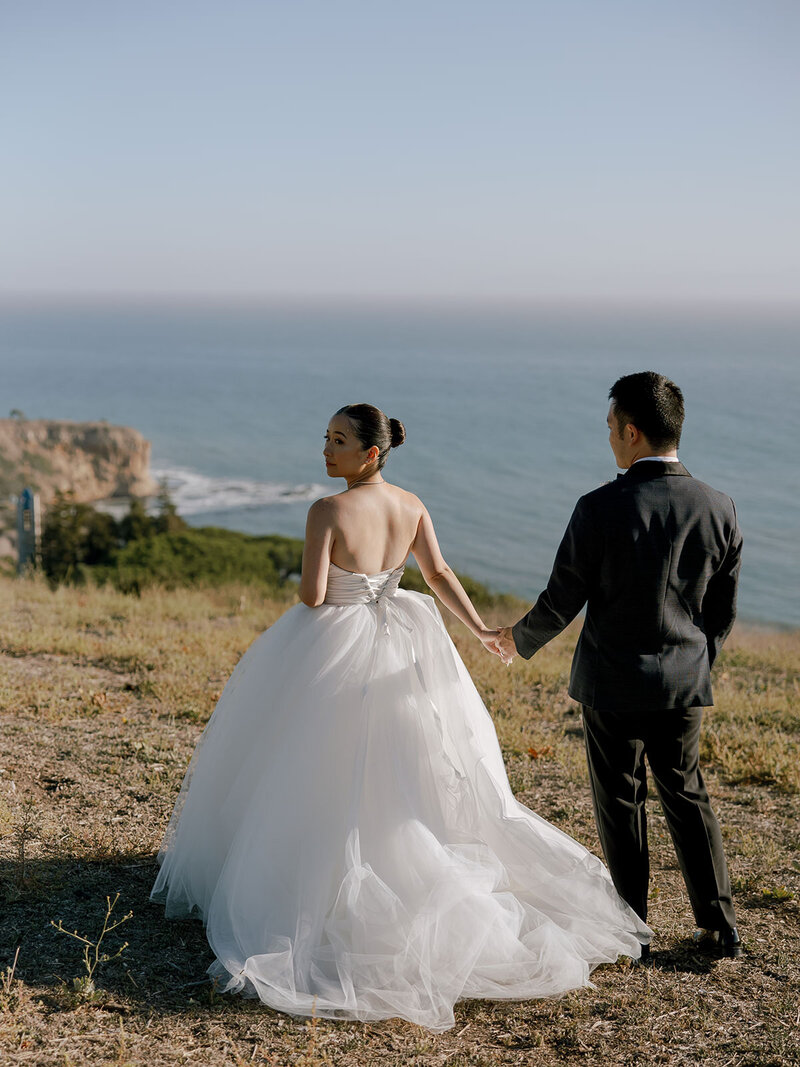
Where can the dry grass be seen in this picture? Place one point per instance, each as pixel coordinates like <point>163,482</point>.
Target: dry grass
<point>102,698</point>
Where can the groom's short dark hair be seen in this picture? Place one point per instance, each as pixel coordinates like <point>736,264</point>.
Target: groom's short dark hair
<point>653,404</point>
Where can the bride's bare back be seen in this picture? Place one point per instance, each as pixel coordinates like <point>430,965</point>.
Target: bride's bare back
<point>368,528</point>
<point>375,525</point>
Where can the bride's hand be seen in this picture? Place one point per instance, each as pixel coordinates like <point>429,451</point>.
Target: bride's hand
<point>490,641</point>
<point>504,643</point>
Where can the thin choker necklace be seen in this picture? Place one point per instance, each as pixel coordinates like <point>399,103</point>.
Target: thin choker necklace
<point>355,485</point>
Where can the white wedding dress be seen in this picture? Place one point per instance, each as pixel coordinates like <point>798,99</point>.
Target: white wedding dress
<point>347,832</point>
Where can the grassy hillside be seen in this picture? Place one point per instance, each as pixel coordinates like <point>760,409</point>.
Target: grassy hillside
<point>102,698</point>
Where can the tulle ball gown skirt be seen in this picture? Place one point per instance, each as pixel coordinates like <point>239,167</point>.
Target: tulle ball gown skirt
<point>347,832</point>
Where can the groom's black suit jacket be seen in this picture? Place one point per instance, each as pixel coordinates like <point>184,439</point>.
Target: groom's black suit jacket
<point>655,556</point>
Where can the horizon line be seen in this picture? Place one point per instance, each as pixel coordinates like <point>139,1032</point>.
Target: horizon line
<point>469,303</point>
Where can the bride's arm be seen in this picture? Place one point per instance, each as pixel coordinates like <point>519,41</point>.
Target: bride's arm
<point>316,553</point>
<point>444,583</point>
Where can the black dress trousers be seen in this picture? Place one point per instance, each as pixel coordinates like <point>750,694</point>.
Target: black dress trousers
<point>616,745</point>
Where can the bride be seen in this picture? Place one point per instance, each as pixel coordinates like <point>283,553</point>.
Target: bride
<point>346,829</point>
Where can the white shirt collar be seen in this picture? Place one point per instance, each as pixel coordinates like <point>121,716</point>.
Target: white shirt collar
<point>659,459</point>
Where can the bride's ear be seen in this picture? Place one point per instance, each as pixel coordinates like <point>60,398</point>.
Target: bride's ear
<point>372,454</point>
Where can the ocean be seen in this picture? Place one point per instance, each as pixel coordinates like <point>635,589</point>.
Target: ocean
<point>504,411</point>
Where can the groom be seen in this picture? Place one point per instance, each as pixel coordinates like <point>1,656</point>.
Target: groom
<point>655,557</point>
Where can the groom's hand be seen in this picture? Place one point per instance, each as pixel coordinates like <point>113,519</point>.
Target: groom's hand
<point>504,643</point>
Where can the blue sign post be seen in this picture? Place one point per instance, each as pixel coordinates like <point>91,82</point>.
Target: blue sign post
<point>29,530</point>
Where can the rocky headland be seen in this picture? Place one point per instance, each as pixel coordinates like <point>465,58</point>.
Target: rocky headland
<point>93,460</point>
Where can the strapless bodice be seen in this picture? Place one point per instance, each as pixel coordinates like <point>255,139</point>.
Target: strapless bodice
<point>348,587</point>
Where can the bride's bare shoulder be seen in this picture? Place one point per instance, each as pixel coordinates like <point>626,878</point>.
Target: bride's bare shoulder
<point>330,509</point>
<point>324,509</point>
<point>408,500</point>
<point>333,501</point>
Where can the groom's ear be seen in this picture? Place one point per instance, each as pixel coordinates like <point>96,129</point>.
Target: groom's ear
<point>632,434</point>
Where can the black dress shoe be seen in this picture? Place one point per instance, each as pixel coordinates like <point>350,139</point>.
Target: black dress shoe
<point>645,958</point>
<point>719,942</point>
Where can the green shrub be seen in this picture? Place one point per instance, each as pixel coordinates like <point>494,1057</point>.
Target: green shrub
<point>79,544</point>
<point>74,535</point>
<point>207,556</point>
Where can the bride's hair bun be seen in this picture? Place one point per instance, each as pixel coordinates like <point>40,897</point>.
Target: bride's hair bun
<point>398,432</point>
<point>372,427</point>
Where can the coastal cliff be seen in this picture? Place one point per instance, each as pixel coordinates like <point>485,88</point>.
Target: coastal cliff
<point>93,460</point>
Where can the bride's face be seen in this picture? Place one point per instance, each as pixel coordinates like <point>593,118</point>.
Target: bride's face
<point>345,456</point>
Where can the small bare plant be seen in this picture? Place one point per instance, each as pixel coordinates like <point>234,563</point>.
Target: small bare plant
<point>93,956</point>
<point>9,997</point>
<point>26,829</point>
<point>311,1057</point>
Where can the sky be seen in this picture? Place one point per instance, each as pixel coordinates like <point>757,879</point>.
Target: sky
<point>456,150</point>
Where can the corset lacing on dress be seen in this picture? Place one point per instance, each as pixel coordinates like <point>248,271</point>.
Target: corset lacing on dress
<point>348,587</point>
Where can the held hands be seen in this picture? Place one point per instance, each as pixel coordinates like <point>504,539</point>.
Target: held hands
<point>506,648</point>
<point>500,642</point>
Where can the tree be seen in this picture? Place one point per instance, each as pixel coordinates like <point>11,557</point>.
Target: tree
<point>137,524</point>
<point>167,520</point>
<point>75,536</point>
<point>101,538</point>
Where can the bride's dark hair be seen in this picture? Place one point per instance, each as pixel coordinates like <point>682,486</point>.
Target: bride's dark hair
<point>372,427</point>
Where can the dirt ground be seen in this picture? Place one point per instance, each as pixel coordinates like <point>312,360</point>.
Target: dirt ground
<point>94,739</point>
